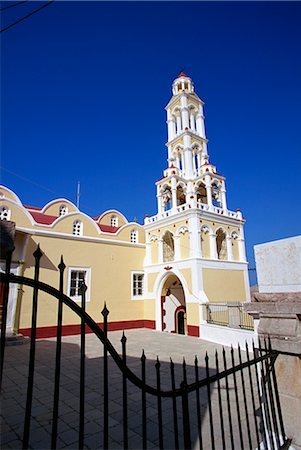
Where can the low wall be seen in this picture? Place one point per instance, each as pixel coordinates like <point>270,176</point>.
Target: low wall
<point>226,335</point>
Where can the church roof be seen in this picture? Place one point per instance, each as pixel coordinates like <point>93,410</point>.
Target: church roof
<point>42,218</point>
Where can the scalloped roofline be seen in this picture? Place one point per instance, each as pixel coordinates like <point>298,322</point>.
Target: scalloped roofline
<point>108,211</point>
<point>22,208</point>
<point>18,201</point>
<point>73,213</point>
<point>62,200</point>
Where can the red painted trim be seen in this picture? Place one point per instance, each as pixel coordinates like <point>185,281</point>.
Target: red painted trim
<point>68,330</point>
<point>193,330</point>
<point>163,298</point>
<point>177,310</point>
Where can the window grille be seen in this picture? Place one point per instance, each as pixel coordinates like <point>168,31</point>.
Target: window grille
<point>114,221</point>
<point>138,284</point>
<point>134,236</point>
<point>63,210</point>
<point>77,228</point>
<point>4,213</point>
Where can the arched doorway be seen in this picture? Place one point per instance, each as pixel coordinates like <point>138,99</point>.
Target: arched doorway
<point>173,306</point>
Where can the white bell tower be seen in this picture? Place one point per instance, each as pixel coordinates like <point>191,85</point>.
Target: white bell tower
<point>188,160</point>
<point>194,242</point>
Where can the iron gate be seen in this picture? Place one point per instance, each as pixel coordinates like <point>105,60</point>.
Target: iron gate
<point>232,402</point>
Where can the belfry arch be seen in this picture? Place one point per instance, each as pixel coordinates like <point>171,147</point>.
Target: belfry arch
<point>173,306</point>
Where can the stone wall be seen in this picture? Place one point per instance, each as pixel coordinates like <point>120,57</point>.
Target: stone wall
<point>278,265</point>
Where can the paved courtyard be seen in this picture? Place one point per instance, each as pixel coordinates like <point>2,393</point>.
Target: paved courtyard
<point>155,344</point>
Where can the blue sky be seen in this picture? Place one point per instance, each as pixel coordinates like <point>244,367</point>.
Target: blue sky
<point>84,85</point>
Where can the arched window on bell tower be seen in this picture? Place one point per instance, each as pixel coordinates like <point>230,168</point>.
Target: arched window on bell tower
<point>168,247</point>
<point>181,198</point>
<point>216,194</point>
<point>166,199</point>
<point>201,194</point>
<point>221,244</point>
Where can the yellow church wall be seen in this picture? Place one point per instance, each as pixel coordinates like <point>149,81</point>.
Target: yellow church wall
<point>151,277</point>
<point>172,228</point>
<point>18,214</point>
<point>65,225</point>
<point>154,251</point>
<point>176,142</point>
<point>149,307</point>
<point>110,279</point>
<point>184,245</point>
<point>224,285</point>
<point>106,218</point>
<point>54,208</point>
<point>205,245</point>
<point>187,275</point>
<point>175,104</point>
<point>235,249</point>
<point>192,101</point>
<point>125,233</point>
<point>8,194</point>
<point>192,311</point>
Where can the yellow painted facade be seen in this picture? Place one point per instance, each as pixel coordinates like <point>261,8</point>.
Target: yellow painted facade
<point>190,253</point>
<point>224,285</point>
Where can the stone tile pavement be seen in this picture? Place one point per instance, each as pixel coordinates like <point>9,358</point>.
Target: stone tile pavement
<point>155,344</point>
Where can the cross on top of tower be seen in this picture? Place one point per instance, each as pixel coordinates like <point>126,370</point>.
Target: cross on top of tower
<point>182,74</point>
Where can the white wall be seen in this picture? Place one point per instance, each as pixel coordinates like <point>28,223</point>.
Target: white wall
<point>227,336</point>
<point>278,265</point>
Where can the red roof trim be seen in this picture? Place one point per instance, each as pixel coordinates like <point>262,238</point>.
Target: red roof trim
<point>107,228</point>
<point>43,219</point>
<point>35,208</point>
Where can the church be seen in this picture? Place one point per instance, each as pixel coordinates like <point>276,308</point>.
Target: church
<point>158,275</point>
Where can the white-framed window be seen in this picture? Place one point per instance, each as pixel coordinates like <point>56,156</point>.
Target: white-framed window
<point>77,228</point>
<point>4,213</point>
<point>63,210</point>
<point>114,221</point>
<point>137,284</point>
<point>134,236</point>
<point>76,277</point>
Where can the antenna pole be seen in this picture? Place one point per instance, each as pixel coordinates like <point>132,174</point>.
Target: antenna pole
<point>78,194</point>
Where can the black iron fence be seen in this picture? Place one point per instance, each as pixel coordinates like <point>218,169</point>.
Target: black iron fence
<point>231,401</point>
<point>229,314</point>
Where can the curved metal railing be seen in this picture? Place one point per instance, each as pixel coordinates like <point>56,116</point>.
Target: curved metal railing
<point>263,361</point>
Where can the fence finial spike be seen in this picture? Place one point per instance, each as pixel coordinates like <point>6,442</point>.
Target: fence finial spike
<point>61,265</point>
<point>123,338</point>
<point>38,253</point>
<point>105,311</point>
<point>196,360</point>
<point>143,357</point>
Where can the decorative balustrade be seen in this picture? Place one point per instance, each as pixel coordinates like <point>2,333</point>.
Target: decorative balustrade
<point>202,206</point>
